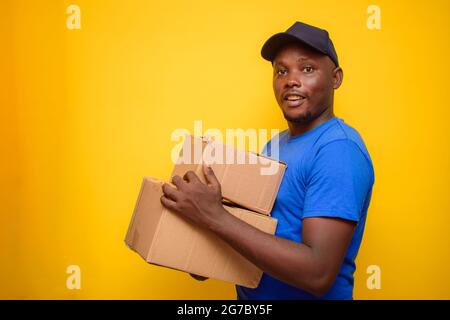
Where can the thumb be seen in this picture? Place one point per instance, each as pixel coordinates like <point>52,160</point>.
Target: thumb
<point>210,177</point>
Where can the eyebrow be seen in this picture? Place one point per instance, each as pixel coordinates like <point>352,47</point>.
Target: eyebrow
<point>300,58</point>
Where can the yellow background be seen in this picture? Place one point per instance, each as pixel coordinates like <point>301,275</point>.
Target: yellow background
<point>85,114</point>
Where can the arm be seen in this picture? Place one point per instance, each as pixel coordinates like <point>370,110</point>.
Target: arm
<point>311,265</point>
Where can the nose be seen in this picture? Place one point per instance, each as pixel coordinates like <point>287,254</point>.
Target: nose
<point>293,81</point>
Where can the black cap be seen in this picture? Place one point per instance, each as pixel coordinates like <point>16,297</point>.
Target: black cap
<point>314,37</point>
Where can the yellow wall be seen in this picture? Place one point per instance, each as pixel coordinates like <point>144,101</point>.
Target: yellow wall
<point>85,114</point>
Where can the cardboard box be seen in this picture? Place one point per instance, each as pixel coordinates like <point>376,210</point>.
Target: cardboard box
<point>162,237</point>
<point>248,179</point>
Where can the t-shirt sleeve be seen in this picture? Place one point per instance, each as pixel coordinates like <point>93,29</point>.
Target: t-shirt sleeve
<point>264,149</point>
<point>267,149</point>
<point>338,183</point>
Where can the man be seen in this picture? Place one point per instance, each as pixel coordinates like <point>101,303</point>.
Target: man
<point>323,199</point>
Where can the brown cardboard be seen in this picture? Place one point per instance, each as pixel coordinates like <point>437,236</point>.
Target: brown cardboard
<point>240,173</point>
<point>162,237</point>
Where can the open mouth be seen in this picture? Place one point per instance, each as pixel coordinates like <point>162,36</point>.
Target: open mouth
<point>294,100</point>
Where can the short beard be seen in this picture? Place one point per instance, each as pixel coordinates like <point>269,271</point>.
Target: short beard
<point>303,119</point>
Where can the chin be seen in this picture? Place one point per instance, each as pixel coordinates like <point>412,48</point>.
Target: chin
<point>299,118</point>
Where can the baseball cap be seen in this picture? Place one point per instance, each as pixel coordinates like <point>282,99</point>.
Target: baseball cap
<point>314,37</point>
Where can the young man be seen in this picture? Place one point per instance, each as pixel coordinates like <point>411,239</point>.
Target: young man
<point>323,199</point>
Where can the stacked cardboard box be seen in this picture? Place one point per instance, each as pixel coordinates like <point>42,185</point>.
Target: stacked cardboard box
<point>162,237</point>
<point>248,179</point>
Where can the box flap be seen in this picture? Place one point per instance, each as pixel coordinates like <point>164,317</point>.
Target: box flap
<point>146,217</point>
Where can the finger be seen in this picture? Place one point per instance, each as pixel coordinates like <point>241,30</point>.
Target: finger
<point>170,192</point>
<point>180,184</point>
<point>210,177</point>
<point>169,204</point>
<point>191,176</point>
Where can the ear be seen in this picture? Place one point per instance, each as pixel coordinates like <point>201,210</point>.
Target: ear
<point>338,75</point>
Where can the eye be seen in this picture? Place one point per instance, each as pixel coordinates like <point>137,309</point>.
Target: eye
<point>281,72</point>
<point>308,69</point>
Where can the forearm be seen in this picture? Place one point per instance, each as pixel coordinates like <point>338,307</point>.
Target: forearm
<point>311,265</point>
<point>289,261</point>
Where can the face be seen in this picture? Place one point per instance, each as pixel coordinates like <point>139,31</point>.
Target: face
<point>304,81</point>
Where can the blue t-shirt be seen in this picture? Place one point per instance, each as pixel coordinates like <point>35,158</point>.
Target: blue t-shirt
<point>329,174</point>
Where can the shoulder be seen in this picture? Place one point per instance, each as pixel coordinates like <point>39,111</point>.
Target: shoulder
<point>338,136</point>
<point>274,141</point>
<point>341,146</point>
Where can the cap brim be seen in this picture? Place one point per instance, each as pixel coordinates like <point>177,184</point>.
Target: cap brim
<point>275,42</point>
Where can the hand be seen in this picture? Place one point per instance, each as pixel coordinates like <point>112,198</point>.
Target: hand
<point>197,277</point>
<point>194,200</point>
